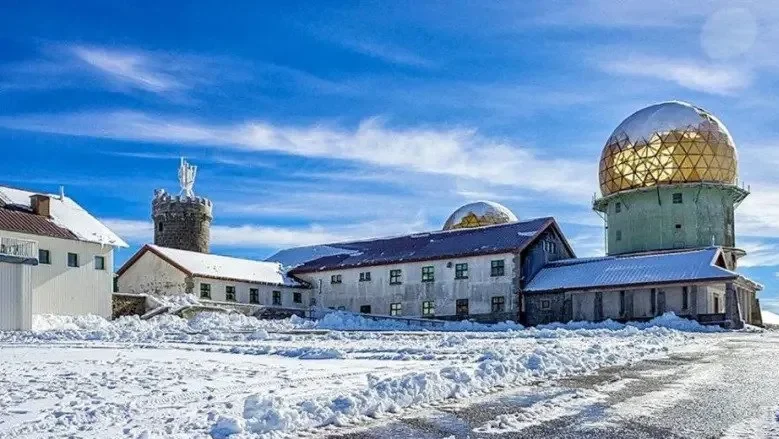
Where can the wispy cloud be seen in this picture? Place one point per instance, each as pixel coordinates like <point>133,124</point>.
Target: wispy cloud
<point>387,53</point>
<point>460,152</point>
<point>135,69</point>
<point>720,79</point>
<point>759,254</point>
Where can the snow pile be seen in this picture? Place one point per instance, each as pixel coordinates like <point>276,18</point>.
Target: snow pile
<point>174,301</point>
<point>770,318</point>
<point>346,321</point>
<point>668,320</point>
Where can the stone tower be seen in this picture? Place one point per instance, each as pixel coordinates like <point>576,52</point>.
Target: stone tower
<point>183,221</point>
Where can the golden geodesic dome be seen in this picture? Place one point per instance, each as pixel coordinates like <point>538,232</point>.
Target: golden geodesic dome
<point>479,214</point>
<point>671,142</point>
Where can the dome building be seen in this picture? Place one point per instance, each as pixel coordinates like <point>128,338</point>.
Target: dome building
<point>668,177</point>
<point>479,214</point>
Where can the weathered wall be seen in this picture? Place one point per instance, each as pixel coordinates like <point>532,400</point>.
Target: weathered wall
<point>182,222</point>
<point>59,289</point>
<point>219,288</point>
<point>15,296</point>
<point>648,218</point>
<point>479,288</point>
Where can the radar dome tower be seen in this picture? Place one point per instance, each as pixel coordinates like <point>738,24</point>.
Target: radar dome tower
<point>183,221</point>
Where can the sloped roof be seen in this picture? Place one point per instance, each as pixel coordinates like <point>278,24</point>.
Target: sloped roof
<point>615,271</point>
<point>65,214</point>
<point>217,267</point>
<point>498,238</point>
<point>30,223</point>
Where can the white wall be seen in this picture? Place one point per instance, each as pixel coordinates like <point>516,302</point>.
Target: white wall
<point>15,296</point>
<point>59,289</point>
<point>151,274</point>
<point>479,288</point>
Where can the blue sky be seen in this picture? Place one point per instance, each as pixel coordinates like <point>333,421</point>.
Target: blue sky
<point>313,123</point>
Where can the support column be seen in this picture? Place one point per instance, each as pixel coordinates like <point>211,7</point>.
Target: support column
<point>732,309</point>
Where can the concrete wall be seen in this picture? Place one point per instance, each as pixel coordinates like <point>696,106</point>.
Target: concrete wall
<point>648,218</point>
<point>151,274</point>
<point>59,289</point>
<point>479,288</point>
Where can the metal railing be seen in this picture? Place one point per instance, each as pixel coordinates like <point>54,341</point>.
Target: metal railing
<point>21,248</point>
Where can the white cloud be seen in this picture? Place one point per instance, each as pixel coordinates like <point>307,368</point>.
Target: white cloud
<point>720,79</point>
<point>391,54</point>
<point>136,69</point>
<point>458,152</point>
<point>759,254</point>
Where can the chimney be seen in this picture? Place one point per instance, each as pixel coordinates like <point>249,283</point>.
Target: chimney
<point>41,205</point>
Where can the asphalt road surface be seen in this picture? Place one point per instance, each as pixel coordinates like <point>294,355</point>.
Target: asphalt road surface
<point>729,391</point>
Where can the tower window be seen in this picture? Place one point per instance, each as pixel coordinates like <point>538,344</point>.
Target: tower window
<point>617,207</point>
<point>619,235</point>
<point>678,226</point>
<point>677,198</point>
<point>159,226</point>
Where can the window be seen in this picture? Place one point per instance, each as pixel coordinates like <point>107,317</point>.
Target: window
<point>297,297</point>
<point>394,277</point>
<point>205,291</point>
<point>716,304</point>
<point>254,295</point>
<point>678,226</point>
<point>622,305</point>
<point>685,298</point>
<point>44,256</point>
<point>428,274</point>
<point>461,307</point>
<point>652,304</point>
<point>428,308</point>
<point>497,268</point>
<point>395,309</point>
<point>99,263</point>
<point>550,246</point>
<point>677,198</point>
<point>230,293</point>
<point>461,271</point>
<point>277,298</point>
<point>72,260</point>
<point>365,309</point>
<point>498,304</point>
<point>546,305</point>
<point>617,207</point>
<point>335,279</point>
<point>365,276</point>
<point>159,226</point>
<point>619,235</point>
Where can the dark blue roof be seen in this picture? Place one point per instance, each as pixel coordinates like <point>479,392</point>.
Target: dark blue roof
<point>667,267</point>
<point>416,247</point>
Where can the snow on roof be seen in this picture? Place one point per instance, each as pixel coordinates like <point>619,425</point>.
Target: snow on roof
<point>573,274</point>
<point>67,214</point>
<point>223,267</point>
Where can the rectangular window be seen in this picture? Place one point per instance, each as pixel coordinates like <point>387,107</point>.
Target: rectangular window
<point>365,276</point>
<point>619,235</point>
<point>498,304</point>
<point>461,307</point>
<point>685,298</point>
<point>254,295</point>
<point>395,309</point>
<point>99,263</point>
<point>428,308</point>
<point>230,293</point>
<point>394,277</point>
<point>461,271</point>
<point>297,297</point>
<point>277,298</point>
<point>365,309</point>
<point>205,291</point>
<point>677,198</point>
<point>678,226</point>
<point>72,260</point>
<point>428,274</point>
<point>652,300</point>
<point>546,305</point>
<point>622,304</point>
<point>44,256</point>
<point>335,279</point>
<point>497,268</point>
<point>550,246</point>
<point>617,207</point>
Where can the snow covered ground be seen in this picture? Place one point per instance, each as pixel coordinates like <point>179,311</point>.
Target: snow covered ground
<point>227,375</point>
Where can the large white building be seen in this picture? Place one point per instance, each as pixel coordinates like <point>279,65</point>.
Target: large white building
<point>70,255</point>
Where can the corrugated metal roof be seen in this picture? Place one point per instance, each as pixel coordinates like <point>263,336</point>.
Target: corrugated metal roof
<point>574,274</point>
<point>415,247</point>
<point>24,222</point>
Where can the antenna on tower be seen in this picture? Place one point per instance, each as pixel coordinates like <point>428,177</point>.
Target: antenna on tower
<point>187,175</point>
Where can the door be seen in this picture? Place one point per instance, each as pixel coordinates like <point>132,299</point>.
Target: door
<point>598,311</point>
<point>661,303</point>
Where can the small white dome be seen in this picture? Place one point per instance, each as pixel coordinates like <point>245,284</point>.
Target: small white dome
<point>479,214</point>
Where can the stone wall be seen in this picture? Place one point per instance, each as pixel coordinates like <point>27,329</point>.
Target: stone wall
<point>182,222</point>
<point>128,305</point>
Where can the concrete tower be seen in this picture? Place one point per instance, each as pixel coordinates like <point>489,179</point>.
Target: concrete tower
<point>183,221</point>
<point>668,181</point>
